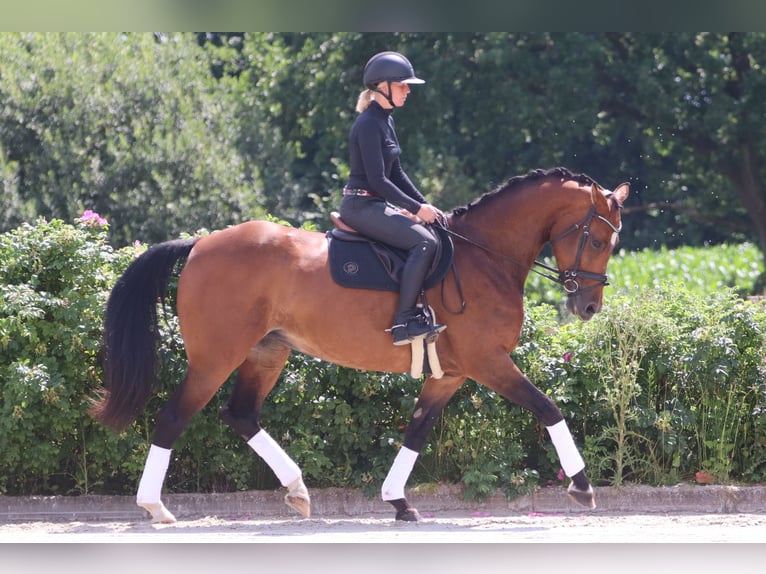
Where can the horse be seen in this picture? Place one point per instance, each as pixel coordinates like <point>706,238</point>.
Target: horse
<point>251,294</point>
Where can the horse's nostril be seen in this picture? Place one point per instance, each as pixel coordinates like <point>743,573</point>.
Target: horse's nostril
<point>592,309</point>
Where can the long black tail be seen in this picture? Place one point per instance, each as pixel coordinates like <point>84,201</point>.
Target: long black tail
<point>131,334</point>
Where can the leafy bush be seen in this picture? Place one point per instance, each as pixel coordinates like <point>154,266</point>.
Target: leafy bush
<point>54,280</point>
<point>701,270</point>
<point>662,383</point>
<point>130,124</point>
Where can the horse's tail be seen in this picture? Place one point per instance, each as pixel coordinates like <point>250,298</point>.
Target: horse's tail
<point>131,334</point>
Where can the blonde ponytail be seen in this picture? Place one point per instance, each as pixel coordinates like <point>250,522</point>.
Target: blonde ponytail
<point>365,98</point>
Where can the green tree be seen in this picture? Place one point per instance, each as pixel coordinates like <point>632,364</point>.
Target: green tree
<point>168,133</point>
<point>130,125</point>
<point>695,102</point>
<point>660,110</point>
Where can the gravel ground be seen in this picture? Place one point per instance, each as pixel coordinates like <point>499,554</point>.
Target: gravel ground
<point>705,529</point>
<point>686,513</point>
<point>476,527</point>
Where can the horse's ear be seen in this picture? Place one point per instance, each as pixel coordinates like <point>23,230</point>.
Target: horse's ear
<point>597,195</point>
<point>621,193</point>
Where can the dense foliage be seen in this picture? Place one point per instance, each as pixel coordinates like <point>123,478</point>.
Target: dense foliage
<point>167,133</point>
<point>54,281</point>
<point>666,381</point>
<point>134,128</point>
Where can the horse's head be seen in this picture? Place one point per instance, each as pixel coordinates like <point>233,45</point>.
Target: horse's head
<point>582,249</point>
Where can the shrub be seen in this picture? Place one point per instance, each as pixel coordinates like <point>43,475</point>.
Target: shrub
<point>662,383</point>
<point>54,280</point>
<point>680,385</point>
<point>700,270</point>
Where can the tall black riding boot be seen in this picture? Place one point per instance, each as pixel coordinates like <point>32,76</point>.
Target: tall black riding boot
<point>409,323</point>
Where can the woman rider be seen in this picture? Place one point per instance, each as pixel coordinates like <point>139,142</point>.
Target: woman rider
<point>377,186</point>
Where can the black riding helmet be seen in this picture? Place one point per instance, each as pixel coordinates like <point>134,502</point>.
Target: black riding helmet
<point>389,67</point>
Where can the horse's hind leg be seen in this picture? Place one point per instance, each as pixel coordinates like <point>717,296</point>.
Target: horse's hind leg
<point>255,379</point>
<point>195,392</point>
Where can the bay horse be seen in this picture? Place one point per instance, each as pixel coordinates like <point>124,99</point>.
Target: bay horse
<point>252,293</point>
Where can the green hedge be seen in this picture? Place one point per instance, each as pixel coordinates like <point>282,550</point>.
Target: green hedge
<point>666,381</point>
<point>54,281</point>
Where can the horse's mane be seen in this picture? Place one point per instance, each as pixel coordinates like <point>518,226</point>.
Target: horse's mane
<point>519,180</point>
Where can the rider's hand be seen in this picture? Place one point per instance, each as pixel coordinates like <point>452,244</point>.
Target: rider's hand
<point>428,213</point>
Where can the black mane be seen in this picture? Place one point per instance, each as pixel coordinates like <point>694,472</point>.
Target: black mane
<point>519,180</point>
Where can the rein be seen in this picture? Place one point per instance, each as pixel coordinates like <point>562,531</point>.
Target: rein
<point>567,278</point>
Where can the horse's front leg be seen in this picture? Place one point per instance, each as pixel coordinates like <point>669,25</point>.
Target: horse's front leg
<point>430,403</point>
<point>509,382</point>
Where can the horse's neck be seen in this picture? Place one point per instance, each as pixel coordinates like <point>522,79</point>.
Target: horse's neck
<point>515,226</point>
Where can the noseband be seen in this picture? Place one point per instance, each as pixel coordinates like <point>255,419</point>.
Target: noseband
<point>568,278</point>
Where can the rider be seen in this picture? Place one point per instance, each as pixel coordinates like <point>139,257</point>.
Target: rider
<point>377,186</point>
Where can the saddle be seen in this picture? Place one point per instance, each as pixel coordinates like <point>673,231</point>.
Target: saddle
<point>359,262</point>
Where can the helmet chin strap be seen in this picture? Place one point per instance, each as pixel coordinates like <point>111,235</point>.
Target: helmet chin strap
<point>388,95</point>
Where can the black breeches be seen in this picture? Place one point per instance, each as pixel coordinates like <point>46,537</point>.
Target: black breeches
<point>381,222</point>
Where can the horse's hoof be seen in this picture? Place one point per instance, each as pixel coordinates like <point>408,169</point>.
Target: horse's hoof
<point>408,515</point>
<point>298,498</point>
<point>160,514</point>
<point>586,498</point>
<point>301,505</point>
<point>404,511</point>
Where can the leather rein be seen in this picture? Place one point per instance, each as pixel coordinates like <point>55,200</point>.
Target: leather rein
<point>567,278</point>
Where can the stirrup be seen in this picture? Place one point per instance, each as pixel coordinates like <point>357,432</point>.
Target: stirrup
<point>418,327</point>
<point>403,336</point>
<point>434,333</point>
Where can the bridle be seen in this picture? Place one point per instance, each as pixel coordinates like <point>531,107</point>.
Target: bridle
<point>567,278</point>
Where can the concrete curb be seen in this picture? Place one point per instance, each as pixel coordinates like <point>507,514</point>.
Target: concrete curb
<point>429,500</point>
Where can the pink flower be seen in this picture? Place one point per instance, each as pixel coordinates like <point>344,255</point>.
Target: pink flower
<point>567,357</point>
<point>560,475</point>
<point>90,217</point>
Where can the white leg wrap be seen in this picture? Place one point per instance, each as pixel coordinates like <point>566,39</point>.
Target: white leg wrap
<point>150,486</point>
<point>282,465</point>
<point>570,458</point>
<point>393,486</point>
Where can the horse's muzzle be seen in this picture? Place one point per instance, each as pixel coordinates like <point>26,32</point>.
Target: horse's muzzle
<point>584,304</point>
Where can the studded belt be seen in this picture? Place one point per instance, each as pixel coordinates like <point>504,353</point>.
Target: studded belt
<point>360,192</point>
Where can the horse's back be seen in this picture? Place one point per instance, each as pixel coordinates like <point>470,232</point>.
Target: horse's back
<point>255,259</point>
<point>255,278</point>
<point>262,247</point>
<point>260,238</point>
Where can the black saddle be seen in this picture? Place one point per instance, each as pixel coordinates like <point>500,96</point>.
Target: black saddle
<point>359,262</point>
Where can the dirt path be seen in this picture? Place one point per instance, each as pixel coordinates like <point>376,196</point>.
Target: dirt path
<point>459,528</point>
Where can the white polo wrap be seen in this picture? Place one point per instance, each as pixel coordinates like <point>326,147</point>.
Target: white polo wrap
<point>569,456</point>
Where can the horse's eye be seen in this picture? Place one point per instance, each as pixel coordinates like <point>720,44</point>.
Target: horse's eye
<point>597,244</point>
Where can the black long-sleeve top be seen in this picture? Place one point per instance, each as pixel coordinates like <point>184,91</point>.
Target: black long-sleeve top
<point>374,156</point>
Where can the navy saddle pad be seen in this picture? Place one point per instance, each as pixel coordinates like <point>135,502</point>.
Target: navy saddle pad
<point>360,263</point>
